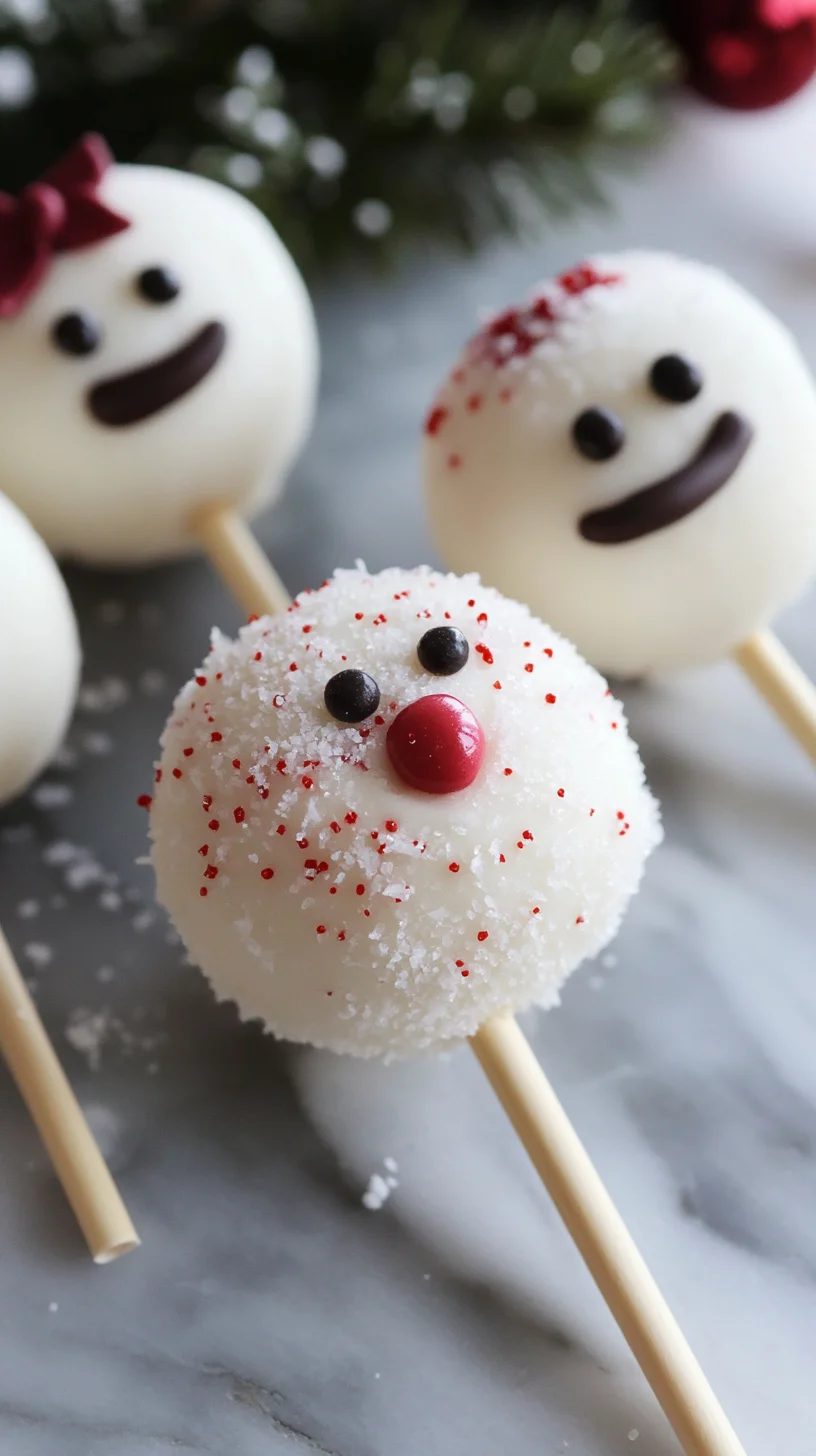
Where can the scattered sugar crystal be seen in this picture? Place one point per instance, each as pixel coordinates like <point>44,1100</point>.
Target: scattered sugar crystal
<point>105,974</point>
<point>51,796</point>
<point>65,757</point>
<point>53,1307</point>
<point>38,953</point>
<point>609,960</point>
<point>633,1435</point>
<point>87,1031</point>
<point>110,900</point>
<point>152,682</point>
<point>97,744</point>
<point>105,696</point>
<point>143,920</point>
<point>27,909</point>
<point>377,1193</point>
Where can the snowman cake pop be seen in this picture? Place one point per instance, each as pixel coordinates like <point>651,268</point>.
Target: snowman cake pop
<point>157,354</point>
<point>394,810</point>
<point>39,654</point>
<point>631,451</point>
<point>392,816</point>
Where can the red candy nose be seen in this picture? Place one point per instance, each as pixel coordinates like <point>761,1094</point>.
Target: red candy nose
<point>436,745</point>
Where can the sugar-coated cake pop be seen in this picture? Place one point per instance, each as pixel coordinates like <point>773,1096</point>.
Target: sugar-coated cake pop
<point>400,806</point>
<point>157,352</point>
<point>39,653</point>
<point>631,451</point>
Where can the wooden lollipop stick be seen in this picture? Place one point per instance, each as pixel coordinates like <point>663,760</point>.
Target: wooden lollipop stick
<point>783,685</point>
<point>244,568</point>
<point>80,1167</point>
<point>608,1250</point>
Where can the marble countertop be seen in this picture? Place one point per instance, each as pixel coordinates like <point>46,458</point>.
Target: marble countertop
<point>270,1311</point>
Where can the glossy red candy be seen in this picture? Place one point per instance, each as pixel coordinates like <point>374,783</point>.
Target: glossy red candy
<point>436,745</point>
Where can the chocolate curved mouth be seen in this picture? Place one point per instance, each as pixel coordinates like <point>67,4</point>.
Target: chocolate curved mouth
<point>125,399</point>
<point>676,495</point>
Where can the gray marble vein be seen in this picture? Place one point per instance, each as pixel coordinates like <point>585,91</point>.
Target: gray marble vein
<point>269,1311</point>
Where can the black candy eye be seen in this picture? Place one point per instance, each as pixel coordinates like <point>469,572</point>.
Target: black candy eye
<point>443,650</point>
<point>598,433</point>
<point>351,695</point>
<point>159,285</point>
<point>76,333</point>
<point>675,378</point>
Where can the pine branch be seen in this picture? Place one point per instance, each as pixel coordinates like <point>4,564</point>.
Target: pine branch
<point>352,123</point>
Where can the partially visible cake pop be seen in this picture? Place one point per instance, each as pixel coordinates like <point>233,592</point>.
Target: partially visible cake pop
<point>400,807</point>
<point>631,452</point>
<point>158,355</point>
<point>39,671</point>
<point>39,654</point>
<point>393,815</point>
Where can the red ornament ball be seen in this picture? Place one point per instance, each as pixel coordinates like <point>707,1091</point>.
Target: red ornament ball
<point>745,54</point>
<point>436,745</point>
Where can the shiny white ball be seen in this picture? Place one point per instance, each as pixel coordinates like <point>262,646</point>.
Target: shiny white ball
<point>108,461</point>
<point>665,532</point>
<point>39,654</point>
<point>343,907</point>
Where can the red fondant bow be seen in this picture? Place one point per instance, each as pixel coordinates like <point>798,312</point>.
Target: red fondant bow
<point>60,212</point>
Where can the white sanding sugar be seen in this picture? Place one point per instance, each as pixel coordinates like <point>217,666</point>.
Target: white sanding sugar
<point>97,745</point>
<point>341,907</point>
<point>27,909</point>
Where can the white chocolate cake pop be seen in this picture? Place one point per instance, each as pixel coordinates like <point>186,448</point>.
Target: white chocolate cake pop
<point>157,352</point>
<point>39,654</point>
<point>631,452</point>
<point>395,809</point>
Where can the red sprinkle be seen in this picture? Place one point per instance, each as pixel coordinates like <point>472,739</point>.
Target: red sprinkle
<point>202,681</point>
<point>483,934</point>
<point>335,827</point>
<point>239,815</point>
<point>236,763</point>
<point>253,617</point>
<point>435,420</point>
<point>466,973</point>
<point>482,619</point>
<point>391,825</point>
<point>454,868</point>
<point>485,653</point>
<point>536,910</point>
<point>204,850</point>
<point>579,920</point>
<point>507,772</point>
<point>321,930</point>
<point>213,824</point>
<point>203,890</point>
<point>548,652</point>
<point>206,802</point>
<point>176,773</point>
<point>144,801</point>
<point>528,667</point>
<point>307,782</point>
<point>258,656</point>
<point>525,834</point>
<point>158,776</point>
<point>497,684</point>
<point>281,829</point>
<point>293,667</point>
<point>560,793</point>
<point>361,889</point>
<point>302,842</point>
<point>351,817</point>
<point>454,461</point>
<point>550,698</point>
<point>211,872</point>
<point>358,616</point>
<point>216,737</point>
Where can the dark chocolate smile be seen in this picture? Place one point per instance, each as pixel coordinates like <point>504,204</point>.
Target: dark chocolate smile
<point>677,495</point>
<point>125,399</point>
